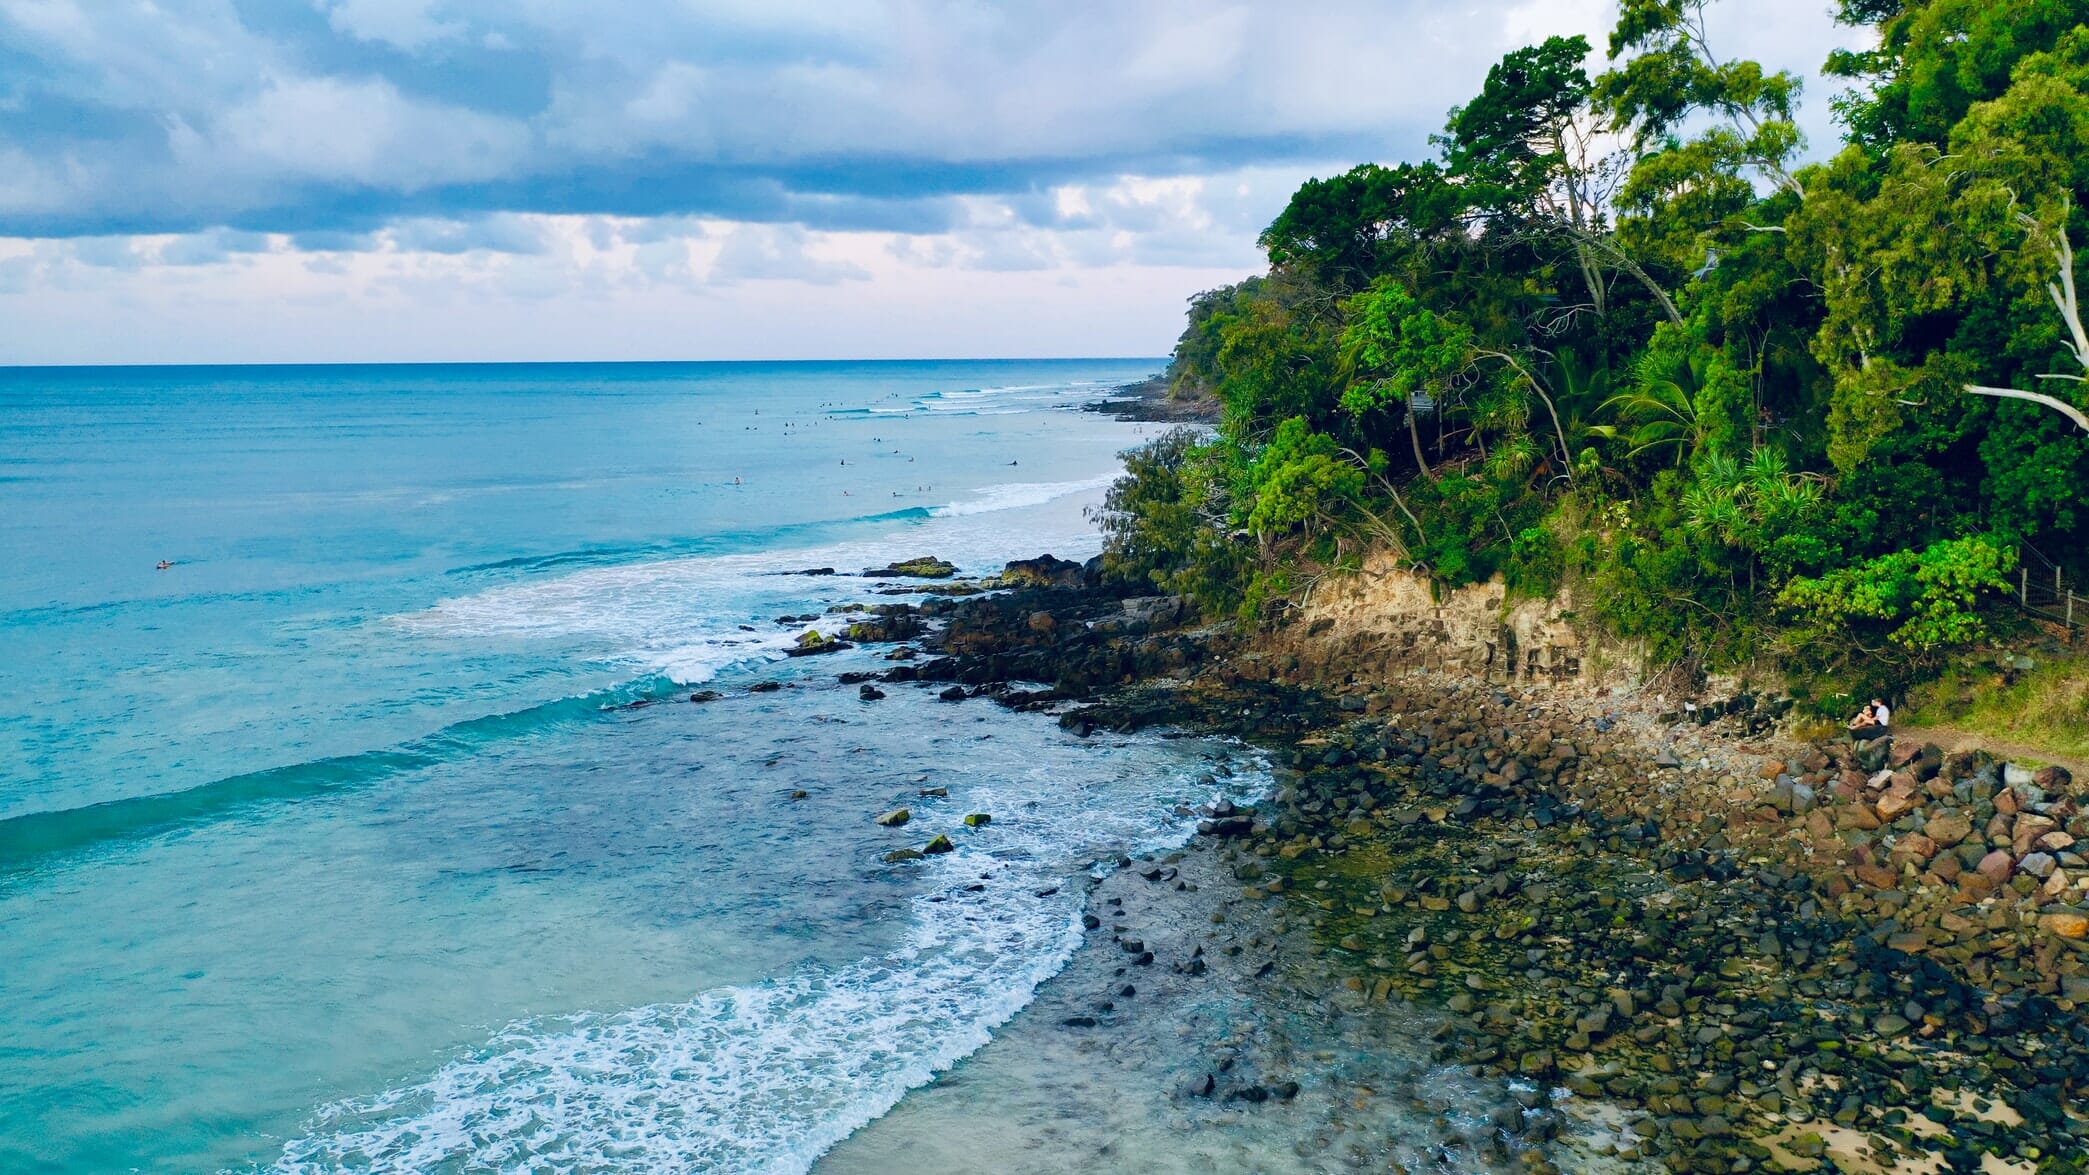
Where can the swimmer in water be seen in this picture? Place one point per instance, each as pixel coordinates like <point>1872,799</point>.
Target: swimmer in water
<point>736,481</point>
<point>162,565</point>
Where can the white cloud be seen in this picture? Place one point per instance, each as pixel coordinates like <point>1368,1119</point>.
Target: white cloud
<point>765,252</point>
<point>363,133</point>
<point>723,159</point>
<point>403,24</point>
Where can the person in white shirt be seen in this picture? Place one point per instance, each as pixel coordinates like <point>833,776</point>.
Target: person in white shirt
<point>1871,721</point>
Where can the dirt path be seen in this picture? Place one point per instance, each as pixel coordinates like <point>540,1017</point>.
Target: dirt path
<point>1952,739</point>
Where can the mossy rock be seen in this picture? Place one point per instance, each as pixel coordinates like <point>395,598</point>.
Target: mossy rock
<point>921,567</point>
<point>978,820</point>
<point>939,845</point>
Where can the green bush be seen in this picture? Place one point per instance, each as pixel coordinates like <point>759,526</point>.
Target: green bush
<point>1905,608</point>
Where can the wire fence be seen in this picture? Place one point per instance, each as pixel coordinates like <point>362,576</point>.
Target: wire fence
<point>2044,590</point>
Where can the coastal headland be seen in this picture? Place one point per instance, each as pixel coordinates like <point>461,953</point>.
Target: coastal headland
<point>1630,931</point>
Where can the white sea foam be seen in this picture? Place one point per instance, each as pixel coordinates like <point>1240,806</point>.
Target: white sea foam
<point>1001,401</point>
<point>683,617</point>
<point>765,1078</point>
<point>1016,495</point>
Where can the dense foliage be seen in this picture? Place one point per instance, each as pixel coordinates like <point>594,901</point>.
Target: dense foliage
<point>1615,337</point>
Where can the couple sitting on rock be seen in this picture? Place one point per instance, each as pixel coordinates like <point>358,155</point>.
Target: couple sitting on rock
<point>1871,721</point>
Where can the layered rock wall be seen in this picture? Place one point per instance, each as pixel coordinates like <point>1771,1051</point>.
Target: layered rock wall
<point>1384,620</point>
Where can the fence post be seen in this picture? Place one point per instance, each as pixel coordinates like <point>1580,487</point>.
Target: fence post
<point>2023,587</point>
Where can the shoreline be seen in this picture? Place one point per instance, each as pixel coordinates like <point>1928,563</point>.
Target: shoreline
<point>1655,945</point>
<point>1150,402</point>
<point>1191,1033</point>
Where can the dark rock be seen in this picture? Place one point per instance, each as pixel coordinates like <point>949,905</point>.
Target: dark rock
<point>923,567</point>
<point>955,693</point>
<point>870,693</point>
<point>764,687</point>
<point>705,695</point>
<point>1153,611</point>
<point>1043,571</point>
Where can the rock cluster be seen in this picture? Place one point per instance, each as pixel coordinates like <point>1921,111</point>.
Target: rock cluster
<point>1759,957</point>
<point>1740,974</point>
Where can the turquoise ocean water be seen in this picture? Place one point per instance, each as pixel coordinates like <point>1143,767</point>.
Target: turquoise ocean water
<point>340,844</point>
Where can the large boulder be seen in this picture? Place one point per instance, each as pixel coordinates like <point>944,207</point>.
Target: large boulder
<point>1153,611</point>
<point>1043,571</point>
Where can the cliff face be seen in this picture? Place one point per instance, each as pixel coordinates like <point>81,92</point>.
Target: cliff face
<point>1383,621</point>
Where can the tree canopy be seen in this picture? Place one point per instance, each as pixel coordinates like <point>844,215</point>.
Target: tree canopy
<point>1615,334</point>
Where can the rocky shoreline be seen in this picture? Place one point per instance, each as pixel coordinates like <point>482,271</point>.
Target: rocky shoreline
<point>1149,402</point>
<point>1680,945</point>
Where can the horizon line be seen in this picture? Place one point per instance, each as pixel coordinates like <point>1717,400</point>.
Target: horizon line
<point>257,363</point>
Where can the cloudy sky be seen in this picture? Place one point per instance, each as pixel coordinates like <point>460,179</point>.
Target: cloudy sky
<point>341,180</point>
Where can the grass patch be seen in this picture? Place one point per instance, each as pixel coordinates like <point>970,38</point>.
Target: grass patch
<point>2045,706</point>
